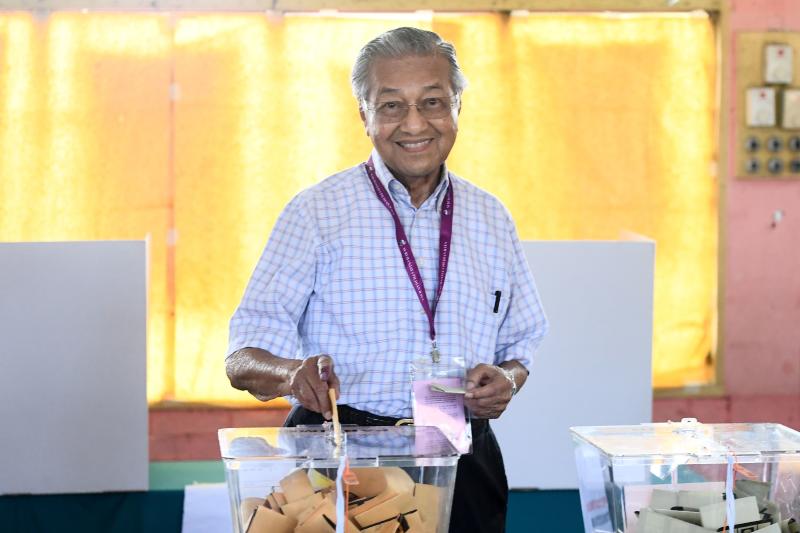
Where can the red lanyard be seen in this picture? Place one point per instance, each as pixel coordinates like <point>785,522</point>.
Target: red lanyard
<point>445,234</point>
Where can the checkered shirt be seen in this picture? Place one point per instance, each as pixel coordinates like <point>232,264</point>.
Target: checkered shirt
<point>331,280</point>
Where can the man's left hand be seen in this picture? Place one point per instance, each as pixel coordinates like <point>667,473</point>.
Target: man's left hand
<point>488,391</point>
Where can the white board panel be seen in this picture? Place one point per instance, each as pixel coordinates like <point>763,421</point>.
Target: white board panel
<point>206,509</point>
<point>72,367</point>
<point>593,368</point>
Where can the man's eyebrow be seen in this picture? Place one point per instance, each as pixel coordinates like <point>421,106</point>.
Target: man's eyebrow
<point>391,90</point>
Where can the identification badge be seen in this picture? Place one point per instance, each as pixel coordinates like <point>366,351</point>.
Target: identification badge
<point>438,401</point>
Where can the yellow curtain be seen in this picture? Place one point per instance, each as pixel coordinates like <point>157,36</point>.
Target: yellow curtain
<point>195,130</point>
<point>597,126</point>
<point>84,143</point>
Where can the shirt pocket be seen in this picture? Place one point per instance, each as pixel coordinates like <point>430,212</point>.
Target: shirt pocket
<point>498,302</point>
<point>473,318</point>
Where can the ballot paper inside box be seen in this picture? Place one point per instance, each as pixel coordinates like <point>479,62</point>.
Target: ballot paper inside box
<point>689,478</point>
<point>283,480</point>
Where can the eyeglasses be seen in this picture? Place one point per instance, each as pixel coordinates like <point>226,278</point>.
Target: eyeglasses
<point>431,107</point>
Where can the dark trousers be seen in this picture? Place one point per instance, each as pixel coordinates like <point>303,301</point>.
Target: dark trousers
<point>480,498</point>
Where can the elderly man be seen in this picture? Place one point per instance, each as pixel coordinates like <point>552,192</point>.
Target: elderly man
<point>392,261</point>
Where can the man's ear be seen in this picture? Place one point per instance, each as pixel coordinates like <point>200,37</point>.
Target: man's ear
<point>458,114</point>
<point>364,119</point>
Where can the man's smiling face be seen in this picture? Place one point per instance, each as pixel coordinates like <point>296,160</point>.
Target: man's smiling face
<point>414,147</point>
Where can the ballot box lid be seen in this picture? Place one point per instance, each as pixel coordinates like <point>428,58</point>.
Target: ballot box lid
<point>317,443</point>
<point>690,438</point>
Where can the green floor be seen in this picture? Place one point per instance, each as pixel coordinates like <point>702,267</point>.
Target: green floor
<point>160,509</point>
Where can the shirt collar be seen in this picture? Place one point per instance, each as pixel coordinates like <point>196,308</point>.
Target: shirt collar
<point>387,178</point>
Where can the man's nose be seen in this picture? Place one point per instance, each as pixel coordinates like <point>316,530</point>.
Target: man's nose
<point>414,121</point>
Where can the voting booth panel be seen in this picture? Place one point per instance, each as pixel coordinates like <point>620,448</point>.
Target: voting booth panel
<point>72,367</point>
<point>594,366</point>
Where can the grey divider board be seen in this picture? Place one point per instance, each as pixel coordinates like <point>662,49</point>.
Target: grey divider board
<point>72,367</point>
<point>593,368</point>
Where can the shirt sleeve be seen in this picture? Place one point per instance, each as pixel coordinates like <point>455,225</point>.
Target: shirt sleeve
<point>278,291</point>
<point>525,324</point>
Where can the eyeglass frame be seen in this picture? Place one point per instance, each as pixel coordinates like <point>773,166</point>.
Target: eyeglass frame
<point>455,100</point>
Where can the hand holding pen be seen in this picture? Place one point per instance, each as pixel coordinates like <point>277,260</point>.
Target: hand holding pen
<point>309,384</point>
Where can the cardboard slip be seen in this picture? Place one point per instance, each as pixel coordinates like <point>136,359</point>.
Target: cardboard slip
<point>438,387</point>
<point>713,516</point>
<point>653,522</point>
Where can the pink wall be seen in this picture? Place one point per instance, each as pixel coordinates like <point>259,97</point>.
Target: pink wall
<point>762,263</point>
<point>761,268</point>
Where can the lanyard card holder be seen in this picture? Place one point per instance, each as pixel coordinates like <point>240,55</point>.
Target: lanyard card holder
<point>438,400</point>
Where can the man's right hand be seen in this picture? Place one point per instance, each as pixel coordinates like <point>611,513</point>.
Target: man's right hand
<point>268,376</point>
<point>309,384</point>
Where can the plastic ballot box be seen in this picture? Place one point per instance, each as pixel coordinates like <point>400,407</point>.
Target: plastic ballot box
<point>376,479</point>
<point>689,477</point>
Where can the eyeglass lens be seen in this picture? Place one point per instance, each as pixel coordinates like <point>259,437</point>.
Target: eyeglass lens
<point>435,107</point>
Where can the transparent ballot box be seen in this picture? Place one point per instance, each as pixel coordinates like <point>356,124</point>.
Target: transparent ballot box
<point>689,478</point>
<point>378,479</point>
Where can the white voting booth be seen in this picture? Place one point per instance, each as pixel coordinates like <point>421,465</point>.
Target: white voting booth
<point>594,366</point>
<point>72,367</point>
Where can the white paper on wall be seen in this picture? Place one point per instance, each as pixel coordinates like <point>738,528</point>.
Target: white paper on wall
<point>761,107</point>
<point>778,63</point>
<point>791,109</point>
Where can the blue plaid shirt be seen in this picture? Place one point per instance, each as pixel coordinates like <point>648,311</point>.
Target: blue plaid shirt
<point>331,280</point>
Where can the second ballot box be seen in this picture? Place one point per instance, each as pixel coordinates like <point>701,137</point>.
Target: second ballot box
<point>376,480</point>
<point>689,478</point>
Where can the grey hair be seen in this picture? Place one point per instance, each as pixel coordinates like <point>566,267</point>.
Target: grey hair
<point>402,42</point>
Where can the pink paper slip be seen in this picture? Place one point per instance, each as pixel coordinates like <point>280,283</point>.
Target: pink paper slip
<point>442,410</point>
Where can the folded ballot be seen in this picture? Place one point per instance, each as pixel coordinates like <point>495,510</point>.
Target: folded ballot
<point>653,522</point>
<point>382,500</point>
<point>713,516</point>
<point>702,511</point>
